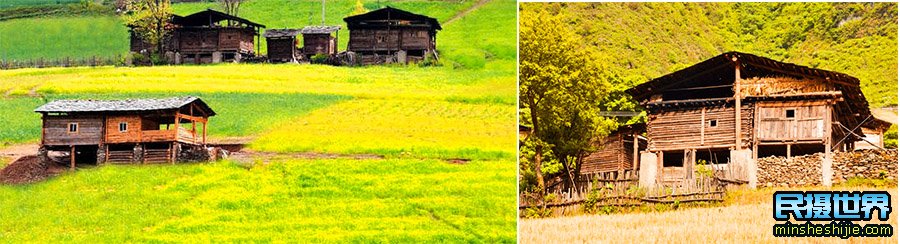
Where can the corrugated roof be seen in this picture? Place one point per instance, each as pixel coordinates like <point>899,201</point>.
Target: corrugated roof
<point>319,29</point>
<point>128,105</point>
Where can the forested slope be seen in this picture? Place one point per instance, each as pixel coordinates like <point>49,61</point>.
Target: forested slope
<point>642,41</point>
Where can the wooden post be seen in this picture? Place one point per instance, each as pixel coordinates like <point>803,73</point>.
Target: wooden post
<point>72,157</point>
<point>702,126</point>
<point>827,173</point>
<point>204,132</point>
<point>788,150</point>
<point>635,158</point>
<point>737,104</point>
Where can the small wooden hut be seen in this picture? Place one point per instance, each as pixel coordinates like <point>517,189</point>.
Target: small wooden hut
<point>207,36</point>
<point>125,131</point>
<point>282,45</point>
<point>319,40</point>
<point>617,152</point>
<point>736,107</point>
<point>392,35</point>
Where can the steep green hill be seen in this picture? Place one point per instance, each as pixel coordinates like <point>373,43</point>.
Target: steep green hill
<point>641,41</point>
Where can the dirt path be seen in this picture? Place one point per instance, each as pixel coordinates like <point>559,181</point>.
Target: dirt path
<point>465,12</point>
<point>16,151</point>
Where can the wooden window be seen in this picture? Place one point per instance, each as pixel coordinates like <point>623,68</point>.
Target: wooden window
<point>713,123</point>
<point>789,113</point>
<point>73,128</point>
<point>123,126</point>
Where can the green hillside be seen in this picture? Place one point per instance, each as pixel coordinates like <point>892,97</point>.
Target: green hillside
<point>93,34</point>
<point>641,41</point>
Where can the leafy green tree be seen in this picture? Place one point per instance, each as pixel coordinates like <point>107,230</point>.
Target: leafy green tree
<point>150,20</point>
<point>561,94</point>
<point>359,8</point>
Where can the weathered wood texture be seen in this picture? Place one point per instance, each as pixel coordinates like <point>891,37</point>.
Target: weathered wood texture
<point>319,44</point>
<point>767,86</point>
<point>281,49</point>
<point>615,153</point>
<point>207,40</point>
<point>89,131</point>
<point>378,40</point>
<point>676,129</point>
<point>790,121</point>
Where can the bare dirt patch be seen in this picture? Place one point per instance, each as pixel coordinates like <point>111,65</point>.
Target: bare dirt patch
<point>27,169</point>
<point>458,160</point>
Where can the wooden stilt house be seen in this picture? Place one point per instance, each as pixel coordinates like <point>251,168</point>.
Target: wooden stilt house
<point>207,36</point>
<point>391,35</point>
<point>125,131</point>
<point>736,107</point>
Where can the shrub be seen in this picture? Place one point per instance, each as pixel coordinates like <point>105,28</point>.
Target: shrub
<point>319,59</point>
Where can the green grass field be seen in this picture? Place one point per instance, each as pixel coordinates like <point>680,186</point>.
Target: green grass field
<point>415,117</point>
<point>301,200</point>
<point>486,34</point>
<point>20,3</point>
<point>61,37</point>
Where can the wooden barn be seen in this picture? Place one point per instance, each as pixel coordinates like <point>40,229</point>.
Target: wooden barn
<point>125,131</point>
<point>282,45</point>
<point>736,107</point>
<point>319,40</point>
<point>207,36</point>
<point>390,35</point>
<point>616,153</point>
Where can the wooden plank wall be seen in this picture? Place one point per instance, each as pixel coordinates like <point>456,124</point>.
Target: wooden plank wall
<point>133,134</point>
<point>679,129</point>
<point>318,43</point>
<point>56,130</point>
<point>280,49</point>
<point>607,158</point>
<point>389,40</point>
<point>808,122</point>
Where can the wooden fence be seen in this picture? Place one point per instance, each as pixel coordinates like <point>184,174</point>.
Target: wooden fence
<point>622,190</point>
<point>63,62</point>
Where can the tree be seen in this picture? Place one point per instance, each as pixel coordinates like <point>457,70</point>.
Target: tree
<point>562,91</point>
<point>231,6</point>
<point>150,20</point>
<point>359,9</point>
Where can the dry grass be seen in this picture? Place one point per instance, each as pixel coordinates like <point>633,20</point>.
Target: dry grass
<point>749,222</point>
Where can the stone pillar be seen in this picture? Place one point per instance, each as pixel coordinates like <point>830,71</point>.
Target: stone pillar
<point>827,171</point>
<point>138,153</point>
<point>101,154</point>
<point>649,169</point>
<point>744,166</point>
<point>401,57</point>
<point>177,58</point>
<point>216,57</point>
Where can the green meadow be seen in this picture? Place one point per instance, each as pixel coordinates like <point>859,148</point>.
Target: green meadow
<point>483,35</point>
<point>286,200</point>
<point>413,119</point>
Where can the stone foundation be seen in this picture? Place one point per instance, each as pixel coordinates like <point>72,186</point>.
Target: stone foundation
<point>805,170</point>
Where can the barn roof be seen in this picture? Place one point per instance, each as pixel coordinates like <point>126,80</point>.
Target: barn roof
<point>127,105</point>
<point>710,73</point>
<point>389,16</point>
<point>319,29</point>
<point>270,33</point>
<point>204,18</point>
